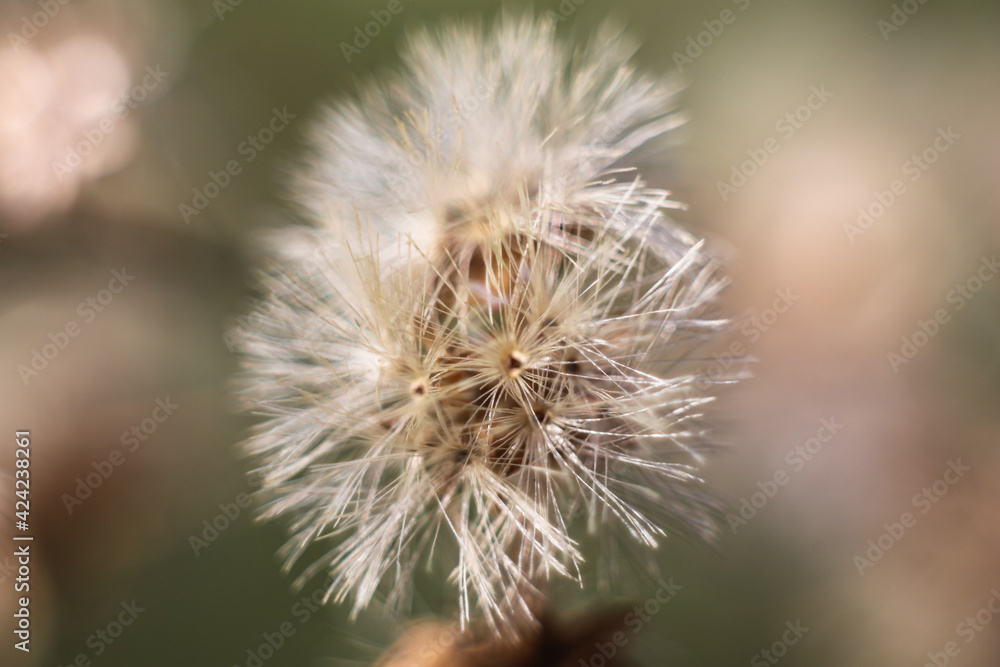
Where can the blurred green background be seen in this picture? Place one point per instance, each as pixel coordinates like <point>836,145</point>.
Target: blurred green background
<point>863,290</point>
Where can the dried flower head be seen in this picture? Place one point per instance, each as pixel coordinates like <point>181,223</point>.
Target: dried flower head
<point>472,349</point>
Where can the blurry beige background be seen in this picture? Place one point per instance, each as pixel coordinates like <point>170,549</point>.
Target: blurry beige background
<point>845,156</point>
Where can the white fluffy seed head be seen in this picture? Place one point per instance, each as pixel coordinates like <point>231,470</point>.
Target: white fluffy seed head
<point>467,353</point>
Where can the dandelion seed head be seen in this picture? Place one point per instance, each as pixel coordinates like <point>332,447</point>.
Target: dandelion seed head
<point>462,355</point>
<point>479,114</point>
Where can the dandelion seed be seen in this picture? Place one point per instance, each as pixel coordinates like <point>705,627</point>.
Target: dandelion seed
<point>484,343</point>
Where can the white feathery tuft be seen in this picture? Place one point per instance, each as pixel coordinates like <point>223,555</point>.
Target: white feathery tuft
<point>489,330</point>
